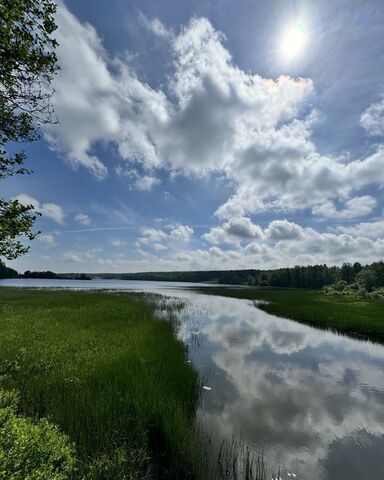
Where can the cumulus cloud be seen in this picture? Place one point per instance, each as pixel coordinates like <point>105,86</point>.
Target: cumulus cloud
<point>373,230</point>
<point>83,219</point>
<point>150,236</point>
<point>214,111</point>
<point>283,244</point>
<point>96,105</point>
<point>280,243</point>
<point>48,209</point>
<point>284,230</point>
<point>372,120</point>
<point>220,109</point>
<point>181,233</point>
<point>353,208</point>
<point>234,231</point>
<point>146,183</point>
<point>160,240</point>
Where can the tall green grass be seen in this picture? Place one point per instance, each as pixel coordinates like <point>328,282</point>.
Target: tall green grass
<point>357,317</point>
<point>108,372</point>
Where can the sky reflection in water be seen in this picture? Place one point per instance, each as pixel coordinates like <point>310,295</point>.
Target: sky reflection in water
<point>310,400</point>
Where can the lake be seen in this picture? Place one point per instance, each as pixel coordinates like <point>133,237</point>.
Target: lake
<point>310,401</point>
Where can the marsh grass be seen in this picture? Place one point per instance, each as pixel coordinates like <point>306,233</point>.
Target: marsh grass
<point>362,318</point>
<point>108,372</point>
<point>232,459</point>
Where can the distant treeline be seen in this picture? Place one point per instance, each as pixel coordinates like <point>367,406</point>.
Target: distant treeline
<point>297,277</point>
<point>52,275</point>
<point>233,277</point>
<point>46,274</point>
<point>312,277</point>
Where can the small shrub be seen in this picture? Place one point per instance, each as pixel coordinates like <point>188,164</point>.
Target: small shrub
<point>33,450</point>
<point>340,286</point>
<point>377,294</point>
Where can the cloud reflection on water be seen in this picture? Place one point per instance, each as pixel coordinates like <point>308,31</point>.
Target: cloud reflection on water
<point>311,400</point>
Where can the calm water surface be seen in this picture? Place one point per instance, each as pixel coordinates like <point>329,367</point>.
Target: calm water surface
<point>312,402</point>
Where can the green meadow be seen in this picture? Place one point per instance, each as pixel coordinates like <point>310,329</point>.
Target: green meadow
<point>108,372</point>
<point>342,314</point>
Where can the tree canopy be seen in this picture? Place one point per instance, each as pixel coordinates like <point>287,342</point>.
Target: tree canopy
<point>27,65</point>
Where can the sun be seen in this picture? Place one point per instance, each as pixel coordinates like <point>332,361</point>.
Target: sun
<point>294,41</point>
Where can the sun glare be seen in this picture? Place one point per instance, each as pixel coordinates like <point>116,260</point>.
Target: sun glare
<point>294,41</point>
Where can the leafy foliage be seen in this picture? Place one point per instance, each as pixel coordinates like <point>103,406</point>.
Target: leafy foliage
<point>36,450</point>
<point>15,220</point>
<point>27,65</point>
<point>368,282</point>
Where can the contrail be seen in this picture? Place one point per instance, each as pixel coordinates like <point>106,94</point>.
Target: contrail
<point>102,229</point>
<point>98,229</point>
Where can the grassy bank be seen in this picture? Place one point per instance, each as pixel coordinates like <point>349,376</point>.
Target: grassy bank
<point>342,314</point>
<point>108,372</point>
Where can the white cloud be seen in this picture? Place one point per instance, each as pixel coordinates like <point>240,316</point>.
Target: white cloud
<point>47,238</point>
<point>372,120</point>
<point>117,242</point>
<point>50,210</point>
<point>219,109</point>
<point>373,230</point>
<point>83,219</point>
<point>140,182</point>
<point>216,252</point>
<point>284,230</point>
<point>234,231</point>
<point>96,105</point>
<point>353,208</point>
<point>181,233</point>
<point>155,26</point>
<point>146,183</point>
<point>283,243</point>
<point>152,235</point>
<point>215,109</point>
<point>161,240</point>
<point>92,254</point>
<point>72,257</point>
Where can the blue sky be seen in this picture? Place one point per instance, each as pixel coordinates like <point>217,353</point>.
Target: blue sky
<point>211,135</point>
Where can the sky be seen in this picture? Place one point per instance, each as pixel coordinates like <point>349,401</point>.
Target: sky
<point>210,134</point>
